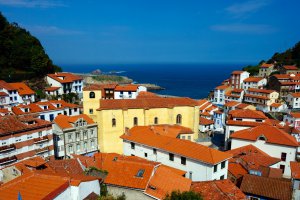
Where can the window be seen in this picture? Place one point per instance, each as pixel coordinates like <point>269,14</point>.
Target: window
<point>51,117</point>
<point>146,155</point>
<point>132,145</point>
<point>222,177</point>
<point>171,157</point>
<point>154,151</point>
<point>223,164</point>
<point>283,156</point>
<point>183,137</point>
<point>92,132</point>
<point>91,111</point>
<point>77,135</point>
<point>189,137</point>
<point>113,122</point>
<point>258,120</point>
<point>92,143</point>
<point>40,134</point>
<point>178,119</point>
<point>70,148</point>
<point>85,145</point>
<point>183,160</point>
<point>78,147</point>
<point>92,95</point>
<point>85,134</point>
<point>155,120</point>
<point>282,167</point>
<point>191,175</point>
<point>215,168</point>
<point>140,173</point>
<point>231,132</point>
<point>135,121</point>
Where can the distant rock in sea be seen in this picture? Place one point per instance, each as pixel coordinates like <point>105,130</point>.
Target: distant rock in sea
<point>96,72</point>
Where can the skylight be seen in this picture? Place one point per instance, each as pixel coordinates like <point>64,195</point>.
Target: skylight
<point>140,173</point>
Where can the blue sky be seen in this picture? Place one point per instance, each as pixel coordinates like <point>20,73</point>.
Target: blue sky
<point>155,31</point>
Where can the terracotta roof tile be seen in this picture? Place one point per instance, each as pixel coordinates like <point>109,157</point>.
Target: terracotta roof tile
<point>64,121</point>
<point>261,90</point>
<point>129,87</point>
<point>296,94</point>
<point>257,96</point>
<point>107,104</point>
<point>231,104</point>
<point>99,87</point>
<point>236,169</point>
<point>22,88</point>
<point>50,89</point>
<point>242,105</point>
<point>276,105</point>
<point>146,94</point>
<point>295,115</point>
<point>265,65</point>
<point>6,86</point>
<point>272,188</point>
<point>251,114</point>
<point>159,186</point>
<point>218,189</point>
<point>64,77</point>
<point>222,87</point>
<point>243,123</point>
<point>272,134</point>
<point>295,169</point>
<point>204,121</point>
<point>3,94</point>
<point>237,72</point>
<point>177,146</point>
<point>290,67</point>
<point>253,79</point>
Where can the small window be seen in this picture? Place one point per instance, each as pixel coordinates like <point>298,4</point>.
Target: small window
<point>40,134</point>
<point>154,151</point>
<point>258,120</point>
<point>113,122</point>
<point>155,120</point>
<point>178,119</point>
<point>92,95</point>
<point>171,157</point>
<point>91,111</point>
<point>140,173</point>
<point>223,164</point>
<point>146,155</point>
<point>132,145</point>
<point>191,175</point>
<point>183,160</point>
<point>222,177</point>
<point>135,121</point>
<point>189,137</point>
<point>282,167</point>
<point>283,156</point>
<point>215,168</point>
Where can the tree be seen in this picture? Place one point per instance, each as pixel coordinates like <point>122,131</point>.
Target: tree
<point>188,195</point>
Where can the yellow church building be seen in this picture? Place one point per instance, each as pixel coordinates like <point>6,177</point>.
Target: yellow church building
<point>114,116</point>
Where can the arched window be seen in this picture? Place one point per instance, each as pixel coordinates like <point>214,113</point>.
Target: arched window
<point>155,120</point>
<point>135,121</point>
<point>113,122</point>
<point>92,95</point>
<point>178,119</point>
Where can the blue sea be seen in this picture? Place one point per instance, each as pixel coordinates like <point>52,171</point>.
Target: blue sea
<point>186,80</point>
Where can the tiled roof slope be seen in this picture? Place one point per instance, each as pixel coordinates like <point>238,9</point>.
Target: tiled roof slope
<point>251,114</point>
<point>271,134</point>
<point>177,146</point>
<point>64,121</point>
<point>204,121</point>
<point>253,79</point>
<point>129,87</point>
<point>107,104</point>
<point>6,86</point>
<point>295,170</point>
<point>218,189</point>
<point>22,88</point>
<point>67,77</point>
<point>271,188</point>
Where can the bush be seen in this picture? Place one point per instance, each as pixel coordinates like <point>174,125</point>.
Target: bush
<point>188,195</point>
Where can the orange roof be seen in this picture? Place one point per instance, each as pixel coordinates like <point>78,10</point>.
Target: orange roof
<point>146,94</point>
<point>295,169</point>
<point>177,146</point>
<point>290,67</point>
<point>257,96</point>
<point>51,88</point>
<point>4,110</point>
<point>3,94</point>
<point>22,88</point>
<point>64,77</point>
<point>265,65</point>
<point>205,114</point>
<point>129,87</point>
<point>204,121</point>
<point>64,121</point>
<point>282,76</point>
<point>69,166</point>
<point>218,189</point>
<point>222,87</point>
<point>244,123</point>
<point>253,79</point>
<point>11,124</point>
<point>276,105</point>
<point>159,186</point>
<point>6,85</point>
<point>202,102</point>
<point>99,87</point>
<point>260,90</point>
<point>237,72</point>
<point>144,103</point>
<point>271,134</point>
<point>34,186</point>
<point>231,104</point>
<point>236,169</point>
<point>242,105</point>
<point>35,107</point>
<point>296,94</point>
<point>250,114</point>
<point>295,115</point>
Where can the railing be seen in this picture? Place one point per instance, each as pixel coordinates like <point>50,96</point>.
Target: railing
<point>42,150</point>
<point>7,148</point>
<point>8,160</point>
<point>41,139</point>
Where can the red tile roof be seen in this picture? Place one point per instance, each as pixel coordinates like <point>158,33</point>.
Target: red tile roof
<point>22,88</point>
<point>290,67</point>
<point>70,166</point>
<point>3,94</point>
<point>204,121</point>
<point>177,146</point>
<point>51,89</point>
<point>129,87</point>
<point>242,105</point>
<point>64,77</point>
<point>218,189</point>
<point>257,96</point>
<point>10,124</point>
<point>295,115</point>
<point>296,94</point>
<point>64,121</point>
<point>243,123</point>
<point>144,103</point>
<point>99,87</point>
<point>236,169</point>
<point>146,94</point>
<point>253,79</point>
<point>271,188</point>
<point>249,114</point>
<point>271,134</point>
<point>295,169</point>
<point>261,90</point>
<point>231,104</point>
<point>222,87</point>
<point>265,65</point>
<point>276,105</point>
<point>237,72</point>
<point>159,186</point>
<point>6,86</point>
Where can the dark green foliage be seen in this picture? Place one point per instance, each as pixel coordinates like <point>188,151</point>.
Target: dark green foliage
<point>275,72</point>
<point>103,190</point>
<point>70,97</point>
<point>177,195</point>
<point>253,70</point>
<point>21,55</point>
<point>289,57</point>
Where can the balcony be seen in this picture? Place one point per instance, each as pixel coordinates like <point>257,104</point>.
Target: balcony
<point>41,139</point>
<point>7,148</point>
<point>8,160</point>
<point>42,150</point>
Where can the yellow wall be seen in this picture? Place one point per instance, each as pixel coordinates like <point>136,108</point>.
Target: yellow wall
<point>109,137</point>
